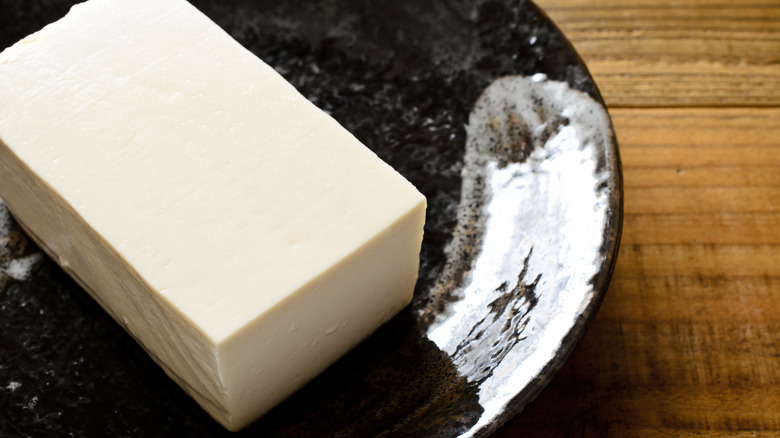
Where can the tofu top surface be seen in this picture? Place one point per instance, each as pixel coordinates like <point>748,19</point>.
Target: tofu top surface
<point>222,186</point>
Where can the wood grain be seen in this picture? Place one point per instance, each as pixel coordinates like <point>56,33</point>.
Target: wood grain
<point>677,52</point>
<point>687,341</point>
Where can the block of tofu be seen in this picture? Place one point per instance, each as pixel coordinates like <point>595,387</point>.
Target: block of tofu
<point>240,234</point>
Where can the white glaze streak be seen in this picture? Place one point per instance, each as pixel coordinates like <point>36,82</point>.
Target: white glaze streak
<point>549,203</point>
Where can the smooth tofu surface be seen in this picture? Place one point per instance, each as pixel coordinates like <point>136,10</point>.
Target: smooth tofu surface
<point>243,236</point>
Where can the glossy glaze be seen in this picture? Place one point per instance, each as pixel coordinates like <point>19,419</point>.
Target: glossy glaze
<point>534,210</point>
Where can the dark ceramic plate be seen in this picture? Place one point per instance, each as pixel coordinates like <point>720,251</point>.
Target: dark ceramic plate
<point>488,110</point>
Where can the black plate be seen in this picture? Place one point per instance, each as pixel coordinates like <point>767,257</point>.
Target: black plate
<point>523,183</point>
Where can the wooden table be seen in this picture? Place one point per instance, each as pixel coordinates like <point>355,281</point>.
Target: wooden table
<point>687,341</point>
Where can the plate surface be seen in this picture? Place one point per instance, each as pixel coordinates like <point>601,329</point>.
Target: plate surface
<point>487,109</point>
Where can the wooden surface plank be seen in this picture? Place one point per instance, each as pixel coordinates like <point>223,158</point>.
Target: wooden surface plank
<point>677,52</point>
<point>705,229</point>
<point>731,175</point>
<point>693,300</point>
<point>664,200</point>
<point>699,260</point>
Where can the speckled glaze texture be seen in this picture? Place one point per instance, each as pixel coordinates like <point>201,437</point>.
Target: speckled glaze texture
<point>487,109</point>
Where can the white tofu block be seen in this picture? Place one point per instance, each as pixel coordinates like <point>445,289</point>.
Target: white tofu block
<point>240,234</point>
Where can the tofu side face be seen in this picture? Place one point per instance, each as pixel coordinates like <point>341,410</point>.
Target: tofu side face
<point>243,236</point>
